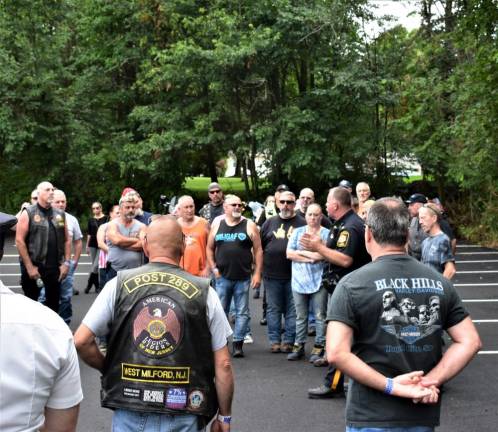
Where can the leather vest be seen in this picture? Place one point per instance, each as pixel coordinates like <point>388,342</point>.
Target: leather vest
<point>159,357</point>
<point>37,240</point>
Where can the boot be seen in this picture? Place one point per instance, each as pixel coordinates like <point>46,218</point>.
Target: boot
<point>237,349</point>
<point>93,279</point>
<point>297,352</point>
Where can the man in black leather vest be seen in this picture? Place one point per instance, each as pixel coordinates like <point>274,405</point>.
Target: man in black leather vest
<point>44,247</point>
<point>167,359</point>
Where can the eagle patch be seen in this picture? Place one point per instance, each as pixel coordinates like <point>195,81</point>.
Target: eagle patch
<point>158,324</point>
<point>343,239</point>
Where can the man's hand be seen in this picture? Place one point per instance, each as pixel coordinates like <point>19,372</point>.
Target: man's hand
<point>63,270</point>
<point>217,426</point>
<point>310,242</point>
<point>216,273</point>
<point>255,281</point>
<point>33,272</point>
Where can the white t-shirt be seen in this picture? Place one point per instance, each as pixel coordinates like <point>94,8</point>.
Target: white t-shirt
<point>101,314</point>
<point>38,363</point>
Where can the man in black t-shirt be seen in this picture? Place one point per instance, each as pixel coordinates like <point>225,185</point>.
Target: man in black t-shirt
<point>277,272</point>
<point>385,351</point>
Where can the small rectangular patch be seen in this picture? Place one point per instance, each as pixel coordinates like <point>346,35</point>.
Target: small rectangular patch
<point>176,398</point>
<point>155,374</point>
<point>343,239</point>
<point>129,392</point>
<point>154,396</point>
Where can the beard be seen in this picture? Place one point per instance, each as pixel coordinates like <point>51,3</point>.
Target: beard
<point>286,214</point>
<point>236,215</point>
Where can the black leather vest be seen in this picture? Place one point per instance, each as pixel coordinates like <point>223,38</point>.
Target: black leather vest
<point>37,240</point>
<point>159,357</point>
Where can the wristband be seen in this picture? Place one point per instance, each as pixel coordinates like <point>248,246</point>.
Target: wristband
<point>224,419</point>
<point>67,262</point>
<point>389,386</point>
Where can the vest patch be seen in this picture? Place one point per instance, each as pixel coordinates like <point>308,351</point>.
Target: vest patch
<point>158,326</point>
<point>176,398</point>
<point>182,285</point>
<point>155,374</point>
<point>196,400</point>
<point>343,239</point>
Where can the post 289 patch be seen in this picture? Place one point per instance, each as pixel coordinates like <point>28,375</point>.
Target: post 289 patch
<point>343,239</point>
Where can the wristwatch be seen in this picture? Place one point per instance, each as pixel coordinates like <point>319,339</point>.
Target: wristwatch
<point>224,419</point>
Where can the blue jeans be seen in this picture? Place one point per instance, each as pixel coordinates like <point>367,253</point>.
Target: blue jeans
<point>132,421</point>
<point>318,302</point>
<point>280,302</point>
<point>66,294</point>
<point>239,290</point>
<point>393,429</point>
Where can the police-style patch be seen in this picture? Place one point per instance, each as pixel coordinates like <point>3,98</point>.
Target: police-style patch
<point>176,398</point>
<point>153,396</point>
<point>343,239</point>
<point>196,399</point>
<point>37,218</point>
<point>130,392</point>
<point>158,326</point>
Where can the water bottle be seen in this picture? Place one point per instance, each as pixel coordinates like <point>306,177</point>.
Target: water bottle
<point>39,283</point>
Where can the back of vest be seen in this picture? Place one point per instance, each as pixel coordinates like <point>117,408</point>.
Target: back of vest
<point>233,253</point>
<point>159,357</point>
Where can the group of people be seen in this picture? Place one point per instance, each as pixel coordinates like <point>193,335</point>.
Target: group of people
<point>168,284</point>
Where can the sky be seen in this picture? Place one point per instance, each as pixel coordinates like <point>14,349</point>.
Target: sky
<point>400,10</point>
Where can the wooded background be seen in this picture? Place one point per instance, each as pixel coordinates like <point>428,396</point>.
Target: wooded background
<point>96,95</point>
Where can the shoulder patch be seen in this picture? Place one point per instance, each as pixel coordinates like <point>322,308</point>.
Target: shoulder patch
<point>343,239</point>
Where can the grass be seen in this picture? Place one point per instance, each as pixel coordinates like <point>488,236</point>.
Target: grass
<point>228,184</point>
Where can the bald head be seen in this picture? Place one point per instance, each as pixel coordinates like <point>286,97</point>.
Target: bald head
<point>186,208</point>
<point>164,239</point>
<point>45,194</point>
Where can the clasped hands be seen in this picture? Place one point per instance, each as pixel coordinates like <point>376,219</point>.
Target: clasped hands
<point>415,386</point>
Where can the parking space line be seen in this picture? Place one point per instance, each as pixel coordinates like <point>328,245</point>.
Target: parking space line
<point>16,255</point>
<point>468,246</point>
<point>18,274</point>
<point>487,352</point>
<point>486,321</point>
<point>480,300</point>
<point>476,271</point>
<point>475,284</point>
<point>476,261</point>
<point>477,253</point>
<point>17,263</point>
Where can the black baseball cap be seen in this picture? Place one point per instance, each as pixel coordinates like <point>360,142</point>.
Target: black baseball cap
<point>283,188</point>
<point>346,184</point>
<point>416,198</point>
<point>7,221</point>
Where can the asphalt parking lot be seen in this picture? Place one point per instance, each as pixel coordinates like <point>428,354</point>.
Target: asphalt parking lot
<point>271,392</point>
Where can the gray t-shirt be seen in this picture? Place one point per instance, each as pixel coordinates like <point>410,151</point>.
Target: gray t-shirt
<point>101,314</point>
<point>436,251</point>
<point>123,259</point>
<point>416,236</point>
<point>397,308</point>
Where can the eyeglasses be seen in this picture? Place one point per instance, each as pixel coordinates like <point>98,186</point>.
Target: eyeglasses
<point>287,202</point>
<point>34,198</point>
<point>215,191</point>
<point>235,205</point>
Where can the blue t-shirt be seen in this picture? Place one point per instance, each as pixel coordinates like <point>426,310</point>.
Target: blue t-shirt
<point>306,277</point>
<point>436,251</point>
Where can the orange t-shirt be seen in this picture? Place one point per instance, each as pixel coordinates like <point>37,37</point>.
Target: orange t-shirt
<point>194,256</point>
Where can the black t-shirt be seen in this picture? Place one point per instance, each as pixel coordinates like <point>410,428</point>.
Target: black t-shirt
<point>93,227</point>
<point>52,260</point>
<point>397,308</point>
<point>275,234</point>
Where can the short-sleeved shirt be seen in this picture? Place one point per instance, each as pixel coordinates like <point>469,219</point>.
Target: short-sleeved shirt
<point>275,234</point>
<point>101,314</point>
<point>93,227</point>
<point>48,374</point>
<point>397,308</point>
<point>306,277</point>
<point>436,251</point>
<point>416,236</point>
<point>73,227</point>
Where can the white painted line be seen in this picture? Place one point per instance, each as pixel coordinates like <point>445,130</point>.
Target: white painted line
<point>476,261</point>
<point>468,246</point>
<point>17,264</point>
<point>486,321</point>
<point>476,271</point>
<point>477,253</point>
<point>475,284</point>
<point>480,300</point>
<point>16,255</point>
<point>487,352</point>
<point>13,286</point>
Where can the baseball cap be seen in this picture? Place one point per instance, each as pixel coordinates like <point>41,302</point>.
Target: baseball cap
<point>128,190</point>
<point>214,186</point>
<point>283,188</point>
<point>346,184</point>
<point>416,198</point>
<point>6,222</point>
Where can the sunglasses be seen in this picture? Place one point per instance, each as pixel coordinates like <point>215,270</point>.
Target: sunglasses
<point>236,205</point>
<point>215,191</point>
<point>287,202</point>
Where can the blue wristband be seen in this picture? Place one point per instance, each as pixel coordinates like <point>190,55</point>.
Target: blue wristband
<point>389,386</point>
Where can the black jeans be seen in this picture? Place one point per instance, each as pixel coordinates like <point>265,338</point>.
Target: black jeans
<point>50,278</point>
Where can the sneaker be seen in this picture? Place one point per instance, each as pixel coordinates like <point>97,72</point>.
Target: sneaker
<point>297,352</point>
<point>263,322</point>
<point>76,292</point>
<point>275,348</point>
<point>237,349</point>
<point>256,294</point>
<point>321,362</point>
<point>324,392</point>
<point>286,347</point>
<point>316,353</point>
<point>248,339</point>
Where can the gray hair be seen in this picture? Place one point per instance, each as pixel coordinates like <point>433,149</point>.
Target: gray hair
<point>388,220</point>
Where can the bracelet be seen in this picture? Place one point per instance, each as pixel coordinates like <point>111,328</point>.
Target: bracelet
<point>389,386</point>
<point>224,419</point>
<point>67,262</point>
